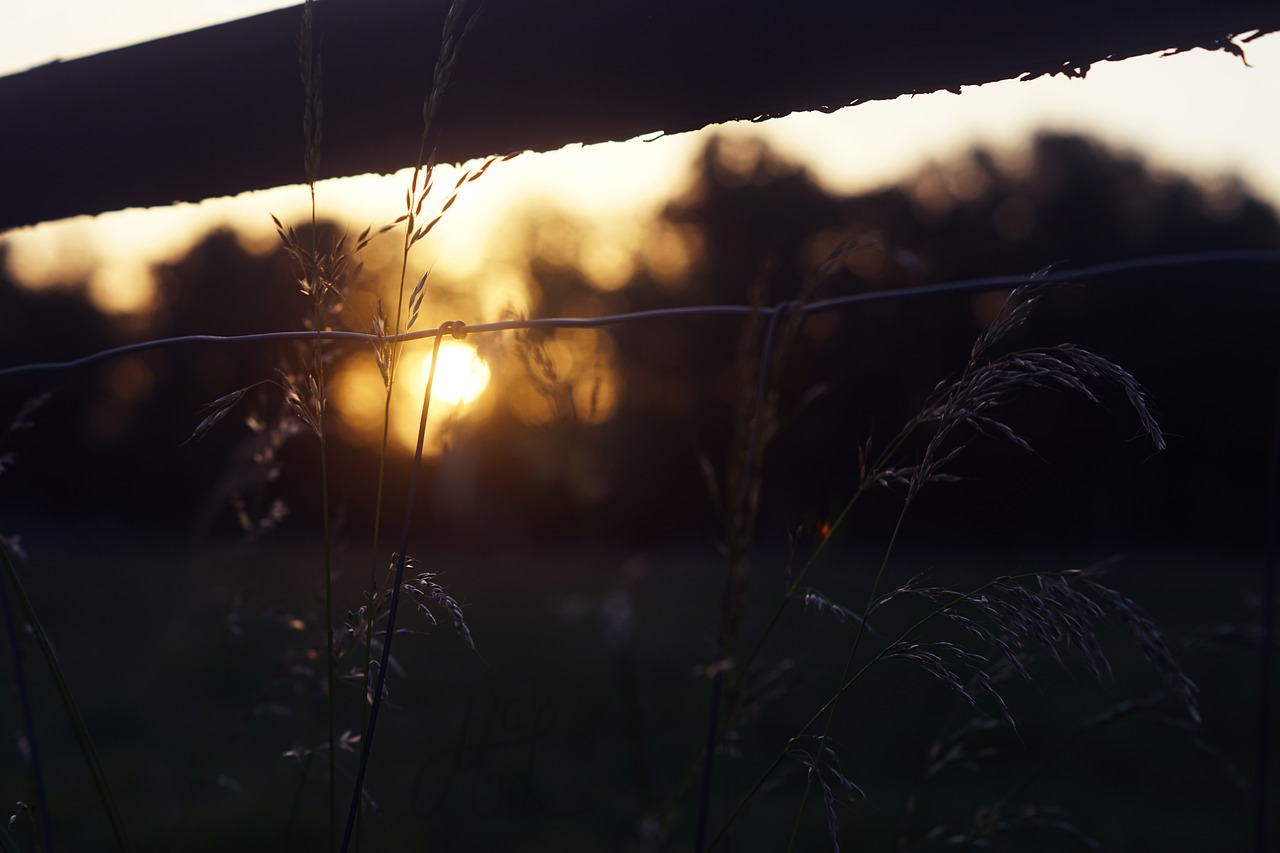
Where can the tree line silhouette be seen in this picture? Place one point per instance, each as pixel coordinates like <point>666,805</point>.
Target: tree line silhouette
<point>110,443</point>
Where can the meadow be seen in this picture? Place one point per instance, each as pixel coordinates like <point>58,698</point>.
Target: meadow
<point>583,707</point>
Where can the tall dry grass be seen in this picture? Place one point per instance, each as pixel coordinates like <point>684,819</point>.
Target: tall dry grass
<point>1055,613</point>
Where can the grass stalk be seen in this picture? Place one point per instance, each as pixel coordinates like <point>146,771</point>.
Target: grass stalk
<point>1266,658</point>
<point>28,718</point>
<point>401,559</point>
<point>847,681</point>
<point>83,740</point>
<point>330,656</point>
<point>948,601</point>
<point>320,280</point>
<point>917,480</point>
<point>456,26</point>
<point>848,664</point>
<point>971,399</point>
<point>740,522</point>
<point>296,801</point>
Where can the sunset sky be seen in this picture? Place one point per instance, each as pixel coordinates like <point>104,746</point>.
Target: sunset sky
<point>1200,112</point>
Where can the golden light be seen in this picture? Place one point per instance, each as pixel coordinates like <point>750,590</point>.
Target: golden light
<point>457,392</point>
<point>579,380</point>
<point>460,376</point>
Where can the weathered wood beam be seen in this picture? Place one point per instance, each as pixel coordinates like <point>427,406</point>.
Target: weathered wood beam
<point>218,111</point>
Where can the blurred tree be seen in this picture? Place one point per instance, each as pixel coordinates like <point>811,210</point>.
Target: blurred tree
<point>111,444</point>
<point>1067,201</point>
<point>612,447</point>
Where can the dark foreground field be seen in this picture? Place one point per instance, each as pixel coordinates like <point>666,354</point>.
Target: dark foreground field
<point>572,726</point>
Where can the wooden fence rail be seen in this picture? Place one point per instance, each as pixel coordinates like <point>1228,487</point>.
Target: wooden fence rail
<point>217,111</point>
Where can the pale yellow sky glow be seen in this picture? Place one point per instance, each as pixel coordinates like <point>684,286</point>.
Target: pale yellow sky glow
<point>33,33</point>
<point>1201,112</point>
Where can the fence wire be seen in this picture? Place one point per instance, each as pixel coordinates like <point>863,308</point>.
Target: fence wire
<point>459,329</point>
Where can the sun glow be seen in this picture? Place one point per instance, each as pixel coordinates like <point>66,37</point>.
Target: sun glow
<point>460,376</point>
<point>456,392</point>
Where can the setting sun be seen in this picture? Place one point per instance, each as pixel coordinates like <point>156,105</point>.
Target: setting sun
<point>460,381</point>
<point>461,375</point>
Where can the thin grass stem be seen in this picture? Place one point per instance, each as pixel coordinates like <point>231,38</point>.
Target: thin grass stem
<point>366,741</point>
<point>296,801</point>
<point>413,202</point>
<point>850,680</point>
<point>1266,658</point>
<point>853,653</point>
<point>741,519</point>
<point>28,718</point>
<point>85,742</point>
<point>330,656</point>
